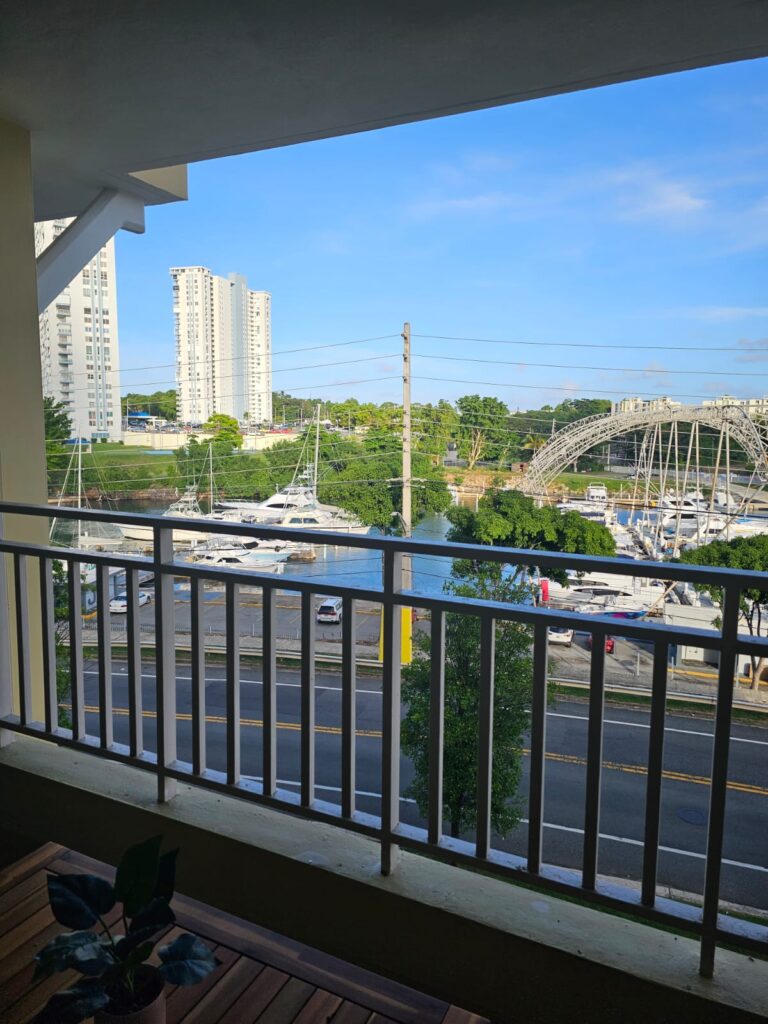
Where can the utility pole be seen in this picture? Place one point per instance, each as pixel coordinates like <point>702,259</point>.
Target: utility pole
<point>407,518</point>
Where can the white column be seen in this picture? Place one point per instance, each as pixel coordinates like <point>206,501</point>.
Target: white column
<point>22,440</point>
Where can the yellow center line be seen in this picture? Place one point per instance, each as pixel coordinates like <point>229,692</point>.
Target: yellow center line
<point>335,730</point>
<point>257,723</point>
<point>636,769</point>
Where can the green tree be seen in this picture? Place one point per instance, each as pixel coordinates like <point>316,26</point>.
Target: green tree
<point>512,519</point>
<point>433,427</point>
<point>225,430</point>
<point>483,429</point>
<point>749,554</point>
<point>58,428</point>
<point>159,403</point>
<point>512,699</point>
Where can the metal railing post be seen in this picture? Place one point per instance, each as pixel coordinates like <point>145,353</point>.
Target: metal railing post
<point>165,662</point>
<point>307,700</point>
<point>538,748</point>
<point>6,669</point>
<point>348,706</point>
<point>485,737</point>
<point>719,784</point>
<point>436,725</point>
<point>390,744</point>
<point>48,626</point>
<point>594,761</point>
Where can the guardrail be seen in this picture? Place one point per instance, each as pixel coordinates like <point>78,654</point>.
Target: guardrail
<point>387,828</point>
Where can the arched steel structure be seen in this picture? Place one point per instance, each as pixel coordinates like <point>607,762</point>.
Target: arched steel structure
<point>564,447</point>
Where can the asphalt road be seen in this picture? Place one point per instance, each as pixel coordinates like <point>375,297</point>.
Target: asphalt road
<point>688,751</point>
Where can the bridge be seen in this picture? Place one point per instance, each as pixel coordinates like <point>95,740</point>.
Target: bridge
<point>732,423</point>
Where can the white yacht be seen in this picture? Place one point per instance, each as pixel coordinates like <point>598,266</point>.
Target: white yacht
<point>593,506</point>
<point>236,556</point>
<point>186,507</point>
<point>605,593</point>
<point>296,506</point>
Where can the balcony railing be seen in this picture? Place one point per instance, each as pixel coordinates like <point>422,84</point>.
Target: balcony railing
<point>16,691</point>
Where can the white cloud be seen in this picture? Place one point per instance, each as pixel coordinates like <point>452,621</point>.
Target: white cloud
<point>646,193</point>
<point>755,350</point>
<point>483,202</point>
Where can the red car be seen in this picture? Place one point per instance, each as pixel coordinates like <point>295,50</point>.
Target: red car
<point>610,644</point>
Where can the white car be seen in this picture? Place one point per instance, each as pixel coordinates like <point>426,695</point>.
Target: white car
<point>560,635</point>
<point>119,605</point>
<point>330,610</point>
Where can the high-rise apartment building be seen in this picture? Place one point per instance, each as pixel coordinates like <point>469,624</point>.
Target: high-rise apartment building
<point>223,335</point>
<point>79,343</point>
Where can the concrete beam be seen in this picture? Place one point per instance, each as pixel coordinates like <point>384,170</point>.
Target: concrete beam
<point>63,260</point>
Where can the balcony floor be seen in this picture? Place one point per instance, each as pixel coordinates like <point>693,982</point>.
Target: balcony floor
<point>263,976</point>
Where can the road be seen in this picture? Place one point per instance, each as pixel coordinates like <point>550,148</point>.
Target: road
<point>688,750</point>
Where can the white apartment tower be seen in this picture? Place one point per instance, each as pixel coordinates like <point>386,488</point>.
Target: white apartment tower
<point>223,334</point>
<point>79,343</point>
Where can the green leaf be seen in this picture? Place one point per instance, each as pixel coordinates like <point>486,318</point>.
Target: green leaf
<point>138,955</point>
<point>144,925</point>
<point>74,1004</point>
<point>77,901</point>
<point>137,875</point>
<point>82,951</point>
<point>166,875</point>
<point>186,960</point>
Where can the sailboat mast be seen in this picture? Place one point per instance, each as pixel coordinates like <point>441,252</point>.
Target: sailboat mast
<point>210,456</point>
<point>79,484</point>
<point>317,456</point>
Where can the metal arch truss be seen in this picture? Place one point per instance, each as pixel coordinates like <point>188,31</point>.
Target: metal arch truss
<point>564,447</point>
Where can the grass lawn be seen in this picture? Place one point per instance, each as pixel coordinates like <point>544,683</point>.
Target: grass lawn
<point>580,481</point>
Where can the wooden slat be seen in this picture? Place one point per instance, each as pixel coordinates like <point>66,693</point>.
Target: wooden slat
<point>24,931</point>
<point>24,909</point>
<point>256,997</point>
<point>288,1003</point>
<point>217,1001</point>
<point>181,1000</point>
<point>320,1008</point>
<point>324,971</point>
<point>28,865</point>
<point>19,998</point>
<point>19,892</point>
<point>456,1015</point>
<point>350,1013</point>
<point>21,957</point>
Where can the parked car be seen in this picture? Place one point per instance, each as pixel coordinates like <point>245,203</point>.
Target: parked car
<point>610,644</point>
<point>119,604</point>
<point>560,635</point>
<point>330,610</point>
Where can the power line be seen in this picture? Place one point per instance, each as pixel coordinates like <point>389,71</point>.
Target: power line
<point>572,344</point>
<point>607,369</point>
<point>553,387</point>
<point>236,376</point>
<point>273,353</point>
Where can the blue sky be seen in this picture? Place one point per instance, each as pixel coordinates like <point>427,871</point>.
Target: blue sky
<point>634,215</point>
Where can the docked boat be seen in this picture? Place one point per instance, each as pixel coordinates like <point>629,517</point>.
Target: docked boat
<point>236,556</point>
<point>605,594</point>
<point>186,507</point>
<point>296,506</point>
<point>593,506</point>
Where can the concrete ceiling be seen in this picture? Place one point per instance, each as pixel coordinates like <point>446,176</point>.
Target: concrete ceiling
<point>108,88</point>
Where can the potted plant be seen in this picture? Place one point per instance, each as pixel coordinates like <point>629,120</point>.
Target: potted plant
<point>117,984</point>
